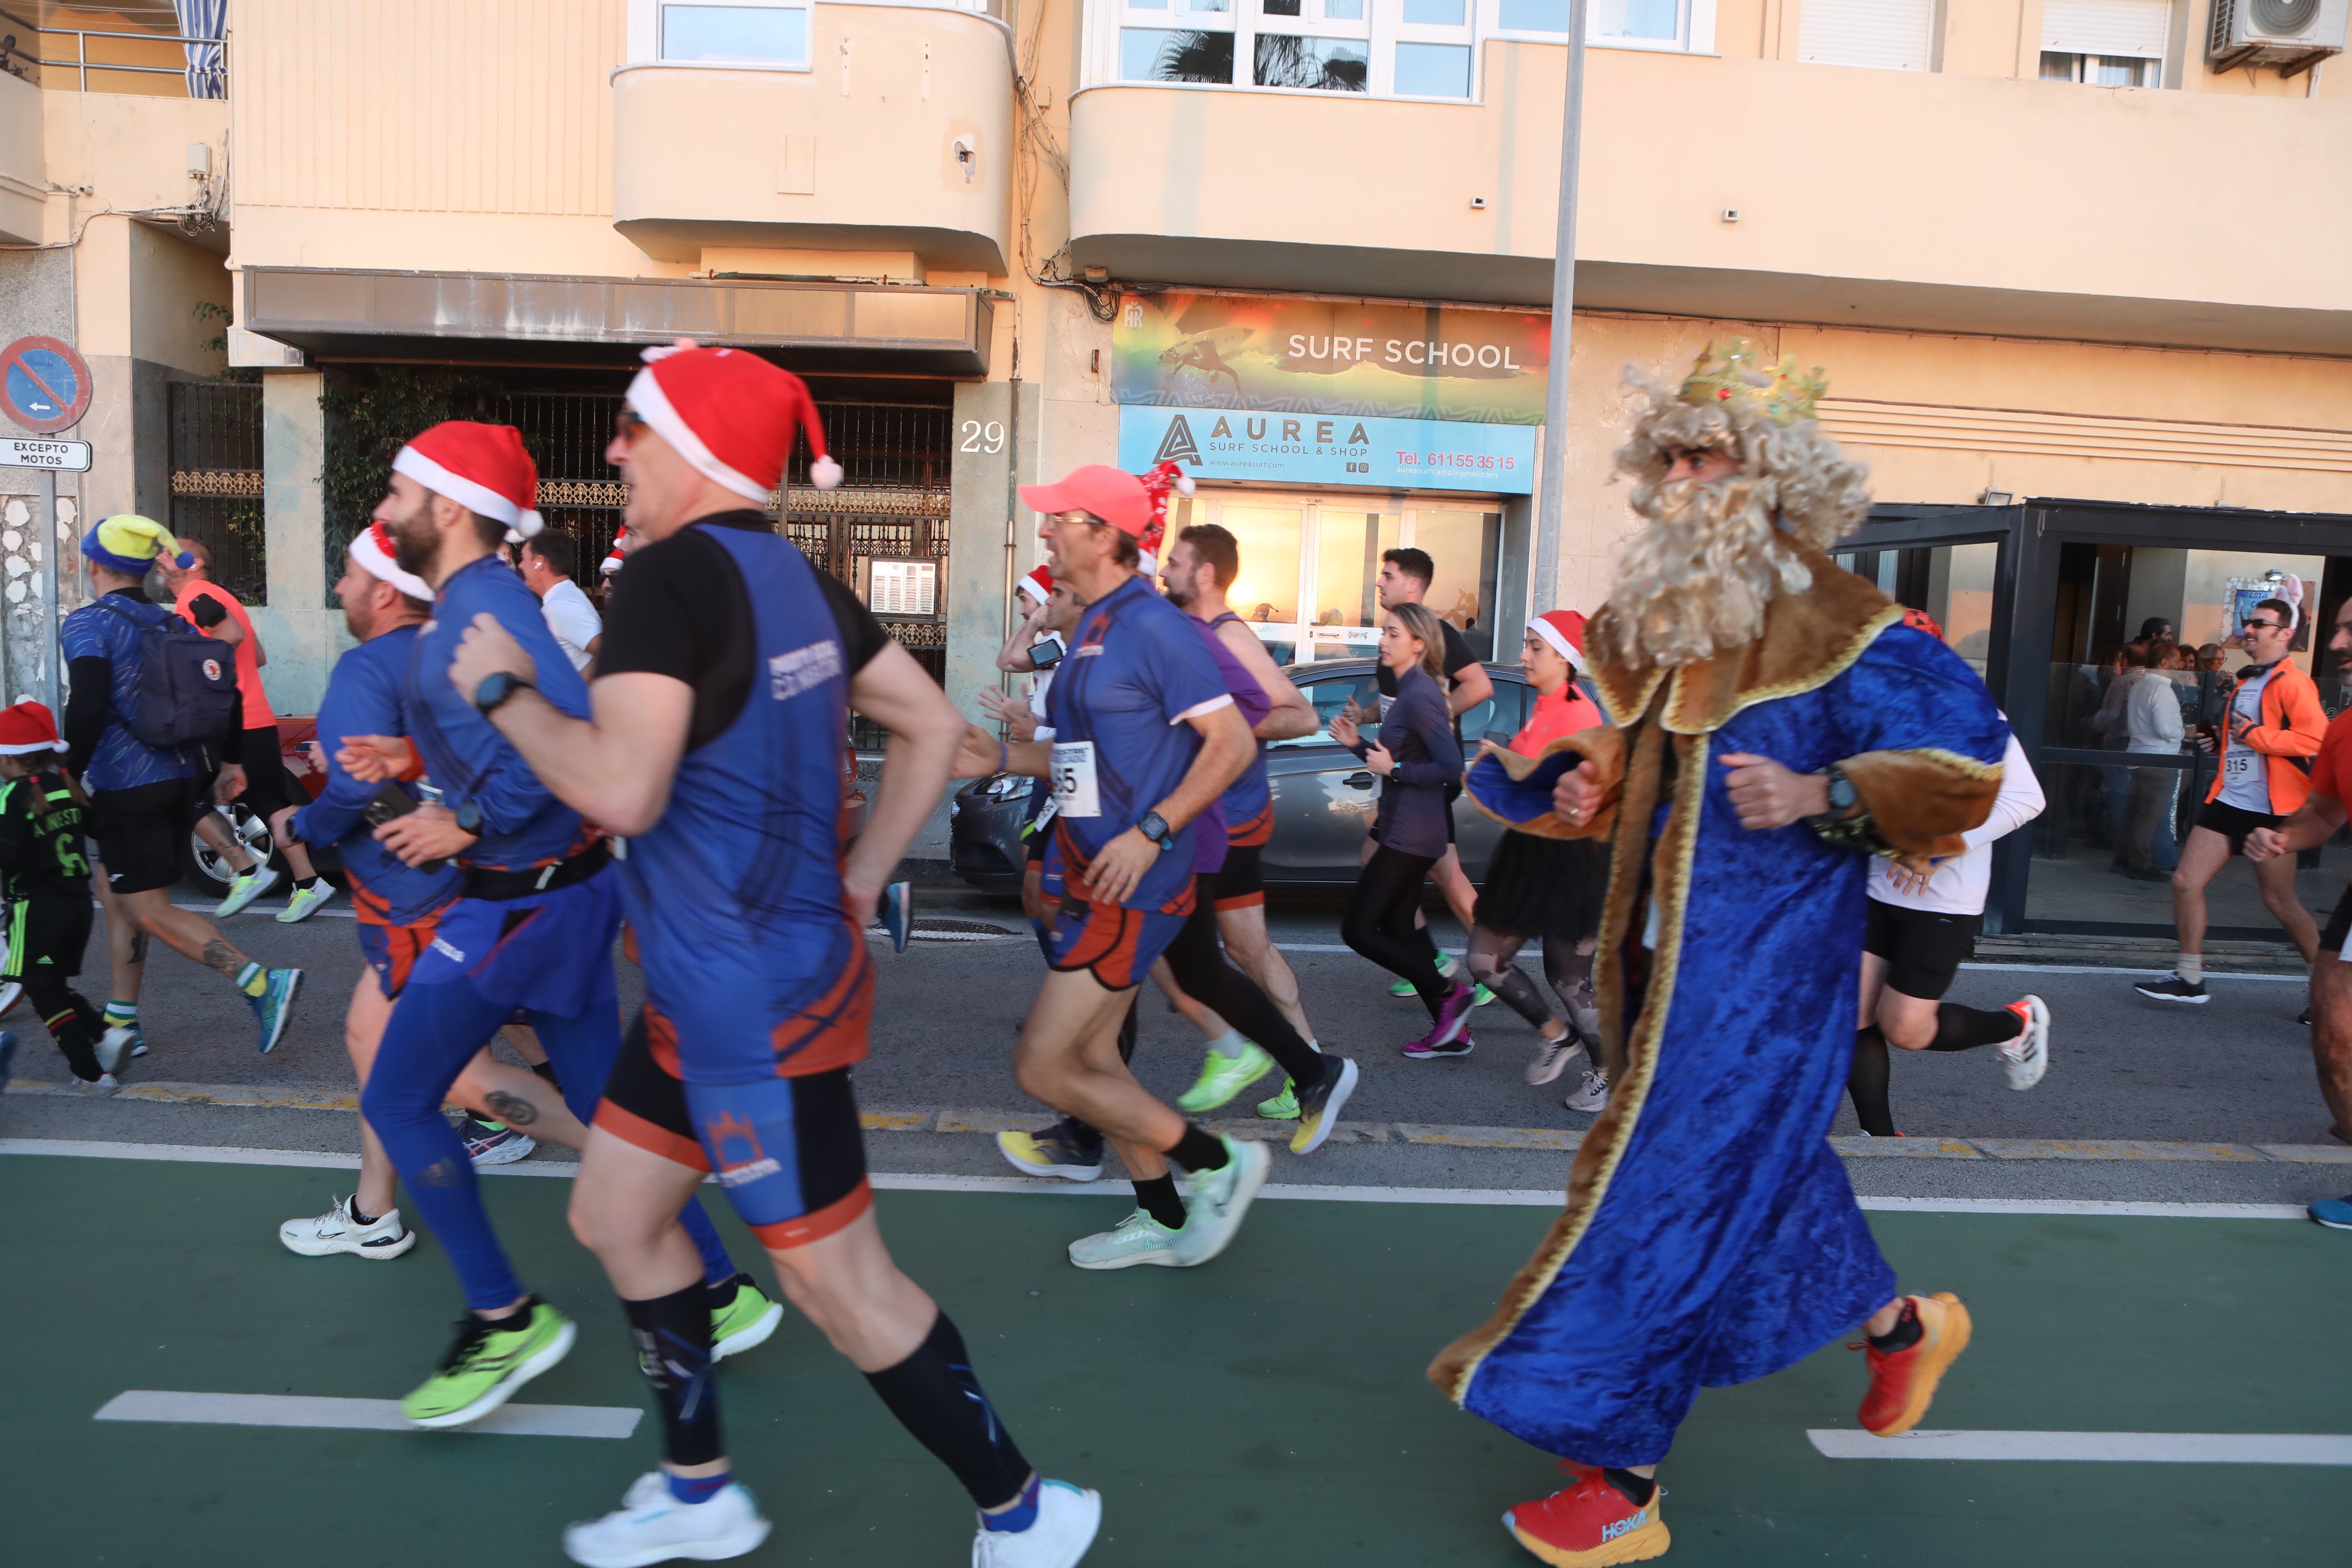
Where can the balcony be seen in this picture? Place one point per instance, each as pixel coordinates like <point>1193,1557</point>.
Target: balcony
<point>894,141</point>
<point>1872,198</point>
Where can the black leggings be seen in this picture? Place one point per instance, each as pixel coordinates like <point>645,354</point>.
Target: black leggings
<point>1568,970</point>
<point>1378,922</point>
<point>72,1023</point>
<point>1197,960</point>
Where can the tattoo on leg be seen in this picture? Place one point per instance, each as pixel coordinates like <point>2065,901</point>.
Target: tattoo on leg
<point>511,1109</point>
<point>220,955</point>
<point>138,947</point>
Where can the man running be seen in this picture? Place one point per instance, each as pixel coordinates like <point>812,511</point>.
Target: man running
<point>2273,726</point>
<point>397,907</point>
<point>533,928</point>
<point>547,560</point>
<point>146,798</point>
<point>722,693</point>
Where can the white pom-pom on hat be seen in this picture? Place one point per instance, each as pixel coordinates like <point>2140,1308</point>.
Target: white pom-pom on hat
<point>1184,485</point>
<point>825,474</point>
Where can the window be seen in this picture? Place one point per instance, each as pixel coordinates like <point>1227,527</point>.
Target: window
<point>1884,35</point>
<point>2105,43</point>
<point>1154,55</point>
<point>735,34</point>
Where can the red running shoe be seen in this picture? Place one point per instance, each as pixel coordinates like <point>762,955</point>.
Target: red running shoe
<point>1903,1382</point>
<point>1589,1522</point>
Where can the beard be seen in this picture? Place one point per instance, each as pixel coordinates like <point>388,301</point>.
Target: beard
<point>1698,580</point>
<point>416,544</point>
<point>1181,594</point>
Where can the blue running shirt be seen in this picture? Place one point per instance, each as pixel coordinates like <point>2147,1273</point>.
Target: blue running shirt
<point>1136,671</point>
<point>120,761</point>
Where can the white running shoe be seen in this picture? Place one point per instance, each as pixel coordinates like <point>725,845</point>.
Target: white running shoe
<point>1067,1518</point>
<point>651,1526</point>
<point>1592,1094</point>
<point>243,890</point>
<point>114,1046</point>
<point>96,1087</point>
<point>337,1231</point>
<point>1216,1200</point>
<point>11,993</point>
<point>304,902</point>
<point>1552,1057</point>
<point>1137,1239</point>
<point>2027,1058</point>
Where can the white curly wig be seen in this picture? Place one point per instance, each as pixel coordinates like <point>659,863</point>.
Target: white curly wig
<point>1697,579</point>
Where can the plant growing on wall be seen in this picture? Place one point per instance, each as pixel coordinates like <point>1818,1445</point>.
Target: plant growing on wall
<point>371,414</point>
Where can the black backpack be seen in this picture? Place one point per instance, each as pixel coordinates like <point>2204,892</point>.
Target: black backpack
<point>185,693</point>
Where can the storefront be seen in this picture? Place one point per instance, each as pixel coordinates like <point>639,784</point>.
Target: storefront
<point>2038,599</point>
<point>1322,434</point>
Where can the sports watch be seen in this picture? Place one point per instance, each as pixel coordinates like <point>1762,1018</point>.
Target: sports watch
<point>495,689</point>
<point>1843,794</point>
<point>469,817</point>
<point>1154,827</point>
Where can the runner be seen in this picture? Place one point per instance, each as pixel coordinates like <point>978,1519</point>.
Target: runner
<point>1419,761</point>
<point>723,692</point>
<point>271,793</point>
<point>533,926</point>
<point>396,908</point>
<point>1923,927</point>
<point>1129,780</point>
<point>48,877</point>
<point>2273,729</point>
<point>547,560</point>
<point>1544,888</point>
<point>145,799</point>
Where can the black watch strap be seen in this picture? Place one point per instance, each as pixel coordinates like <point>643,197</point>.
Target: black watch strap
<point>1154,827</point>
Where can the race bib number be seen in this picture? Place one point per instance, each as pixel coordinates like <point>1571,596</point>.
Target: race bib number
<point>1075,794</point>
<point>2238,767</point>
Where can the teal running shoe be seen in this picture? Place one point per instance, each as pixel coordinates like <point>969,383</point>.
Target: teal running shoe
<point>275,1005</point>
<point>1283,1107</point>
<point>1134,1242</point>
<point>1223,1076</point>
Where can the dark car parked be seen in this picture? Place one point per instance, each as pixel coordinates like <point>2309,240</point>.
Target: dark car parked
<point>1323,797</point>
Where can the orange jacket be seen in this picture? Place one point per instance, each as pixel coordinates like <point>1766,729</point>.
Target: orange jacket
<point>2293,723</point>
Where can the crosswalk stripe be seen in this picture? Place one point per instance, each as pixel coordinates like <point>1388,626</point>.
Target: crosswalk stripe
<point>360,1414</point>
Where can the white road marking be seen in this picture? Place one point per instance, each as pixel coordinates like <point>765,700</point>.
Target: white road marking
<point>2001,968</point>
<point>2096,1448</point>
<point>330,912</point>
<point>361,1414</point>
<point>1497,1197</point>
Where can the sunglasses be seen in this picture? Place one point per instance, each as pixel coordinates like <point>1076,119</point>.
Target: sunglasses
<point>2266,626</point>
<point>627,423</point>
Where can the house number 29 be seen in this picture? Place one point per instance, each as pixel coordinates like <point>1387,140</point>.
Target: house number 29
<point>978,437</point>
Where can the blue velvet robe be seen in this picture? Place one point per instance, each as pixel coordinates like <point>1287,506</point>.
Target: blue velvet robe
<point>1711,1237</point>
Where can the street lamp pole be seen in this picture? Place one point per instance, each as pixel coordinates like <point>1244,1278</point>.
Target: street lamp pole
<point>1545,577</point>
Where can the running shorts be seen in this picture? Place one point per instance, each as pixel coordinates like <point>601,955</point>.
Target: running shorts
<point>550,951</point>
<point>1240,885</point>
<point>788,1151</point>
<point>2339,925</point>
<point>1115,944</point>
<point>2234,822</point>
<point>47,935</point>
<point>142,831</point>
<point>269,788</point>
<point>1924,949</point>
<point>393,951</point>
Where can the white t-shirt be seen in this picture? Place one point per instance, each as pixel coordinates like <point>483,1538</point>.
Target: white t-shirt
<point>1959,884</point>
<point>573,619</point>
<point>2245,773</point>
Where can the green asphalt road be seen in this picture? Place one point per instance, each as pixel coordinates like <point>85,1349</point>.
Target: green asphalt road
<point>1268,1409</point>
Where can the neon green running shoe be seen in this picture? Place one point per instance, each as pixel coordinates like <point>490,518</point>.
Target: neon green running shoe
<point>1480,996</point>
<point>1223,1076</point>
<point>487,1362</point>
<point>745,1321</point>
<point>1283,1107</point>
<point>1446,964</point>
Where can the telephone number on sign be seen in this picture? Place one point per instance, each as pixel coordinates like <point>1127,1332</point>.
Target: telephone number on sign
<point>1457,460</point>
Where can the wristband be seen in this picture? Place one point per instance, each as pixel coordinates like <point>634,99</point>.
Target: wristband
<point>1004,758</point>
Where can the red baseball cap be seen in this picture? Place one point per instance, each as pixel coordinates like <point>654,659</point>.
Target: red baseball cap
<point>1112,494</point>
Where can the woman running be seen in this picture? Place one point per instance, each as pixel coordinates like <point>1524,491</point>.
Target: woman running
<point>1547,889</point>
<point>1417,756</point>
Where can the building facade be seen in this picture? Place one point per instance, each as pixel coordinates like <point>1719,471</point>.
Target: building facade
<point>2082,249</point>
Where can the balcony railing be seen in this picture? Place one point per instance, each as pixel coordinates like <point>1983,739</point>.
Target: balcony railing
<point>205,74</point>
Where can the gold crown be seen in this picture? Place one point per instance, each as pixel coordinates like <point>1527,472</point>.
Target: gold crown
<point>1737,378</point>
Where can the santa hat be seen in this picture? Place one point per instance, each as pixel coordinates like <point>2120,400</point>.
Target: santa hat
<point>731,414</point>
<point>27,728</point>
<point>1038,585</point>
<point>612,559</point>
<point>1564,630</point>
<point>374,554</point>
<point>483,468</point>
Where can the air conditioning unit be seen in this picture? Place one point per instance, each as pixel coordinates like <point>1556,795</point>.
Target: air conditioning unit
<point>2293,35</point>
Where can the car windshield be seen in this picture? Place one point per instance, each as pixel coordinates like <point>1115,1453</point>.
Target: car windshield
<point>1329,694</point>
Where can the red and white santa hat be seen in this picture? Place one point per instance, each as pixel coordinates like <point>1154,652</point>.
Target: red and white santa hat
<point>731,414</point>
<point>1038,585</point>
<point>483,468</point>
<point>373,552</point>
<point>1564,630</point>
<point>27,728</point>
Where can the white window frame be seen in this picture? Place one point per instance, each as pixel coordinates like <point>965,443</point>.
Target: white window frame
<point>644,35</point>
<point>1697,35</point>
<point>2086,64</point>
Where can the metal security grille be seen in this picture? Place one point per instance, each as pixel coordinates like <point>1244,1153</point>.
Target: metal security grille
<point>566,433</point>
<point>215,453</point>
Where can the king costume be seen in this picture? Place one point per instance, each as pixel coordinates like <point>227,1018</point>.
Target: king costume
<point>1710,1235</point>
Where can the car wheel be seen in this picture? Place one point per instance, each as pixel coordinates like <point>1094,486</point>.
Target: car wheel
<point>208,869</point>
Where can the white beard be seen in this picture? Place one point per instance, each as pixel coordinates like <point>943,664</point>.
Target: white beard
<point>1698,580</point>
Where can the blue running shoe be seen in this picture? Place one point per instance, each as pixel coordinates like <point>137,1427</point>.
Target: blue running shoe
<point>898,913</point>
<point>275,1005</point>
<point>2335,1213</point>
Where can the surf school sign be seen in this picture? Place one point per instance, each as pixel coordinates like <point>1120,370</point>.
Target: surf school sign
<point>1330,449</point>
<point>1324,357</point>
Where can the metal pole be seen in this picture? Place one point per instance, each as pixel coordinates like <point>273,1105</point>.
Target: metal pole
<point>1543,578</point>
<point>50,652</point>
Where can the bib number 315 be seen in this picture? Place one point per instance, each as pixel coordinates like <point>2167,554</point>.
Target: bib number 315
<point>1075,794</point>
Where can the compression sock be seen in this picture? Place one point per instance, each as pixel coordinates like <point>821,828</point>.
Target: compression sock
<point>1157,1197</point>
<point>673,1337</point>
<point>1960,1028</point>
<point>72,1024</point>
<point>1865,1083</point>
<point>1229,1044</point>
<point>941,1404</point>
<point>697,1489</point>
<point>1903,1335</point>
<point>253,980</point>
<point>2190,966</point>
<point>1019,1516</point>
<point>1638,1490</point>
<point>1198,1151</point>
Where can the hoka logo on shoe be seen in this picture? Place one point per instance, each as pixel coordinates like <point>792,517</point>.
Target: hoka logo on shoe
<point>1631,1521</point>
<point>736,1175</point>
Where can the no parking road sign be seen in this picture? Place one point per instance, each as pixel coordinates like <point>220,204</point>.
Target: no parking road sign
<point>44,385</point>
